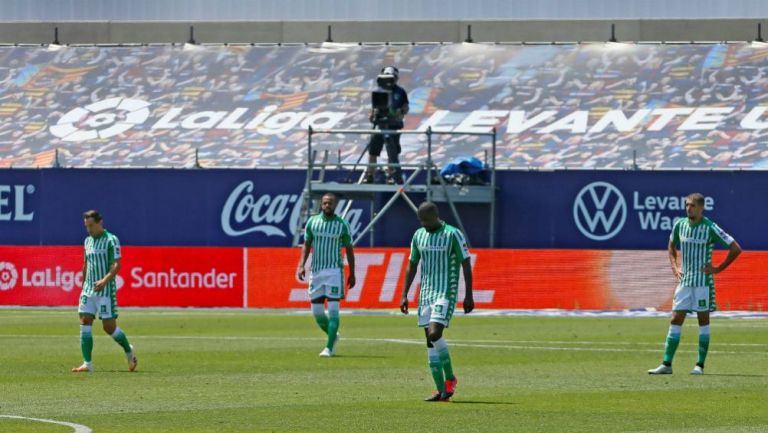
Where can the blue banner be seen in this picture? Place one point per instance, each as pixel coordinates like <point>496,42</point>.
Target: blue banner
<point>560,209</point>
<point>624,209</point>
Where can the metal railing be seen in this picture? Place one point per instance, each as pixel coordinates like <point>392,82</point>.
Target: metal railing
<point>428,166</point>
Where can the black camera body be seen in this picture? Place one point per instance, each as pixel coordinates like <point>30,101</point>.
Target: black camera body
<point>381,100</point>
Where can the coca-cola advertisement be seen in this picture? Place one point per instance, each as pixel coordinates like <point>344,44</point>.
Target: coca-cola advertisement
<point>245,212</point>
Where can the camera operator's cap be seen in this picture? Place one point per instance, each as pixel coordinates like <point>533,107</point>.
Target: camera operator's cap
<point>391,70</point>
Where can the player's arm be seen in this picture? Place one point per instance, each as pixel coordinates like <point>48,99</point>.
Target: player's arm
<point>674,241</point>
<point>111,275</point>
<point>734,249</point>
<point>461,249</point>
<point>85,269</point>
<point>410,274</point>
<point>347,241</point>
<point>673,260</point>
<point>113,250</point>
<point>305,249</point>
<point>469,300</point>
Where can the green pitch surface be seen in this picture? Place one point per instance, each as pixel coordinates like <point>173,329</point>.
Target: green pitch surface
<point>209,371</point>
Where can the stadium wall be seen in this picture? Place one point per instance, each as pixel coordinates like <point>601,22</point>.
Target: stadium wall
<point>491,30</point>
<point>218,238</point>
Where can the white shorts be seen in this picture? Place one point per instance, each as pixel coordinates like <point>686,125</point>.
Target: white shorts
<point>440,312</point>
<point>697,299</point>
<point>104,306</point>
<point>328,283</point>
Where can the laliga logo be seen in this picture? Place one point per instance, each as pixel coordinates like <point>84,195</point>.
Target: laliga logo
<point>8,276</point>
<point>599,203</point>
<point>101,119</point>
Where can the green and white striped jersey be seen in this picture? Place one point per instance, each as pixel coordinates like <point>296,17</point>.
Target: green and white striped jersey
<point>441,253</point>
<point>100,254</point>
<point>696,243</point>
<point>328,235</point>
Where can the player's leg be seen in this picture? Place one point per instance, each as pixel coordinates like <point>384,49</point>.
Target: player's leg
<point>333,325</point>
<point>317,296</point>
<point>671,344</point>
<point>108,315</point>
<point>436,369</point>
<point>673,336</point>
<point>703,317</point>
<point>87,311</point>
<point>682,302</point>
<point>433,330</point>
<point>335,293</point>
<point>318,312</point>
<point>442,312</point>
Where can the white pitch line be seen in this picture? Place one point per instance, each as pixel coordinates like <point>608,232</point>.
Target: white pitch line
<point>544,345</point>
<point>393,340</point>
<point>607,343</point>
<point>78,428</point>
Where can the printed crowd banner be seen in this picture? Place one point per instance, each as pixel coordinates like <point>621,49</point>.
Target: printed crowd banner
<point>554,106</point>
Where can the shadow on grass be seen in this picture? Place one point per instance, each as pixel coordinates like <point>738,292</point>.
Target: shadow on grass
<point>362,356</point>
<point>482,402</point>
<point>736,375</point>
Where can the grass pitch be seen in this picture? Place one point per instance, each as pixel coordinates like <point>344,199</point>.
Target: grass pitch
<point>231,371</point>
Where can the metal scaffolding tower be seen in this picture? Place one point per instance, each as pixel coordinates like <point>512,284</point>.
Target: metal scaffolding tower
<point>316,184</point>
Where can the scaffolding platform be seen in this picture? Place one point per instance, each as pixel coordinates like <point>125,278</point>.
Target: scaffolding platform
<point>418,179</point>
<point>454,193</point>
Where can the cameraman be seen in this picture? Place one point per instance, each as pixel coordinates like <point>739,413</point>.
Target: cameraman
<point>388,119</point>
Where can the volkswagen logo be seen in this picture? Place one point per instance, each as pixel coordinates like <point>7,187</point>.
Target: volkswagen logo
<point>599,211</point>
<point>101,119</point>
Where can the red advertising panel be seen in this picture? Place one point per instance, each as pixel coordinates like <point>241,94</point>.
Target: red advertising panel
<point>149,276</point>
<point>46,276</point>
<point>518,279</point>
<point>182,277</point>
<point>503,279</point>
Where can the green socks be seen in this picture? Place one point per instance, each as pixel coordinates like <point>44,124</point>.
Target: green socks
<point>673,340</point>
<point>333,323</point>
<point>436,368</point>
<point>333,328</point>
<point>86,342</point>
<point>703,344</point>
<point>318,312</point>
<point>445,358</point>
<point>121,339</point>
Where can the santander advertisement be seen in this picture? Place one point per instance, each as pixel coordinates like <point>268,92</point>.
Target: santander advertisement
<point>149,276</point>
